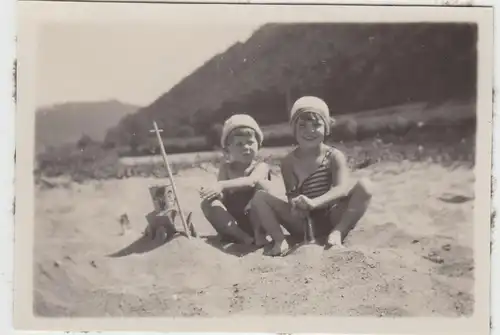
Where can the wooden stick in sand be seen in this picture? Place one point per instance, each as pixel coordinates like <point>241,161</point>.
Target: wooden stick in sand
<point>309,236</point>
<point>187,230</point>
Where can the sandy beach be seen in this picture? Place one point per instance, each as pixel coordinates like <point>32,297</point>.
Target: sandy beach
<point>411,255</point>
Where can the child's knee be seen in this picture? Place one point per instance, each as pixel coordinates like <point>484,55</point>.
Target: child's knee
<point>364,186</point>
<point>207,206</point>
<point>259,198</point>
<point>204,205</point>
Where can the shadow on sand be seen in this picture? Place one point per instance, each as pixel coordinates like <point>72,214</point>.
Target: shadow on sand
<point>240,250</point>
<point>162,230</point>
<point>228,247</point>
<point>142,245</point>
<point>146,244</point>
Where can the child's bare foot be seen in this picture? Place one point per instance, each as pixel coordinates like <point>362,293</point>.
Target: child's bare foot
<point>260,240</point>
<point>248,240</point>
<point>335,239</point>
<point>278,248</point>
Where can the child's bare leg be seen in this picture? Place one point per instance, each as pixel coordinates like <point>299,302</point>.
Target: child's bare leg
<point>223,222</point>
<point>271,211</point>
<point>259,234</point>
<point>345,219</point>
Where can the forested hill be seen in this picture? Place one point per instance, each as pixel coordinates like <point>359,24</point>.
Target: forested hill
<point>353,67</point>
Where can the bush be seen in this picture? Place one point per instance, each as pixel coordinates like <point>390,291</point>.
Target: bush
<point>345,129</point>
<point>84,142</point>
<point>401,126</point>
<point>81,163</point>
<point>185,145</point>
<point>278,139</point>
<point>213,135</point>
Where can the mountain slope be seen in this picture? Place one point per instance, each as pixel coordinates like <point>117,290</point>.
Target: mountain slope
<point>63,123</point>
<point>353,67</point>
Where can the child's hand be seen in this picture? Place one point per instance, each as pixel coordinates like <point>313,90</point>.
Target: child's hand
<point>210,193</point>
<point>304,203</point>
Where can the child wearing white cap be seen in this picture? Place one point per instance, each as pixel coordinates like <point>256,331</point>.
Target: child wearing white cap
<point>228,206</point>
<point>317,183</point>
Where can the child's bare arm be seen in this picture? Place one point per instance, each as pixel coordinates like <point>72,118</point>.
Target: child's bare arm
<point>211,192</point>
<point>260,173</point>
<point>342,174</point>
<point>263,181</point>
<point>222,174</point>
<point>287,175</point>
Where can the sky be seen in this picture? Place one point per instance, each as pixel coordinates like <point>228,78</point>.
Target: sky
<point>130,63</point>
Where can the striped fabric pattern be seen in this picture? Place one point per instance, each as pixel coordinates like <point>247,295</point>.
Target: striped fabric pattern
<point>319,182</point>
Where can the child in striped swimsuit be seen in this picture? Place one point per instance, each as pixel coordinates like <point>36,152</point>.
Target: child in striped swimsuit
<point>317,183</point>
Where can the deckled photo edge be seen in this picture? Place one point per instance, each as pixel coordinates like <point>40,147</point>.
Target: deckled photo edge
<point>33,16</point>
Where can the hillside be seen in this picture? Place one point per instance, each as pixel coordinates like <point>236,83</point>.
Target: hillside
<point>353,67</point>
<point>59,124</point>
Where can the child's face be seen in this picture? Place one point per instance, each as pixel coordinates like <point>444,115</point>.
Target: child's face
<point>309,130</point>
<point>242,146</point>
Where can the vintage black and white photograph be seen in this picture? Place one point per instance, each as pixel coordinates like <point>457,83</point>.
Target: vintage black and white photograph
<point>259,163</point>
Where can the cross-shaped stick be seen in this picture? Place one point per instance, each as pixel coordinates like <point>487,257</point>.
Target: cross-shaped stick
<point>154,130</point>
<point>170,176</point>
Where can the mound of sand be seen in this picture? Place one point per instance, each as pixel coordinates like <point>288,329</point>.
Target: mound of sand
<point>411,255</point>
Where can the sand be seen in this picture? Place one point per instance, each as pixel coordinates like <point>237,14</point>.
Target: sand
<point>411,255</point>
